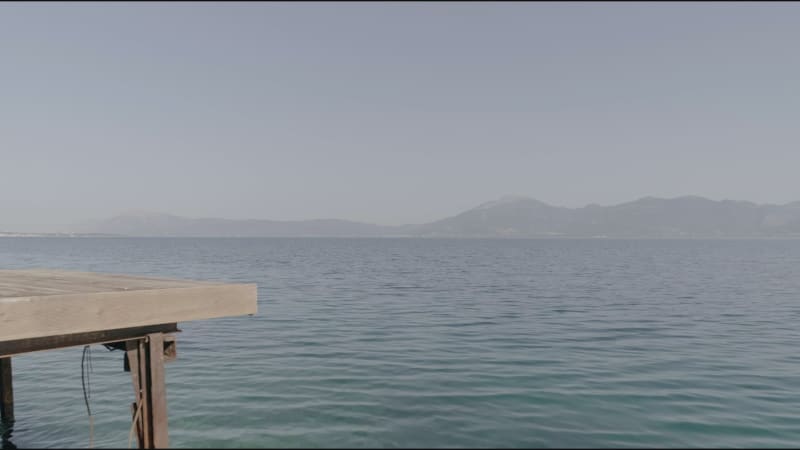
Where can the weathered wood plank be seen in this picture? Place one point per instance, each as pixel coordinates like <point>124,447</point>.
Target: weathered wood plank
<point>158,394</point>
<point>19,346</point>
<point>132,353</point>
<point>6,391</point>
<point>32,283</point>
<point>90,302</point>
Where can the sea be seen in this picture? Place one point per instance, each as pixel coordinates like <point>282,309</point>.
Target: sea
<point>401,342</point>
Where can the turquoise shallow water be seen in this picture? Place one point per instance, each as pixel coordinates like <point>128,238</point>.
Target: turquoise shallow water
<point>447,343</point>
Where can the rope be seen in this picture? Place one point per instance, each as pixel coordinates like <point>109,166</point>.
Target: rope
<point>85,379</point>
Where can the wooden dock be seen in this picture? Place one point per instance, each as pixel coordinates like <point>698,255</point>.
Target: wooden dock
<point>49,309</point>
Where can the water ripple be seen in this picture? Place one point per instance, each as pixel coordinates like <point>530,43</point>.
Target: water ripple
<point>448,343</point>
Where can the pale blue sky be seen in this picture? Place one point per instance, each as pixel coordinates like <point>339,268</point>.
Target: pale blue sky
<point>390,112</point>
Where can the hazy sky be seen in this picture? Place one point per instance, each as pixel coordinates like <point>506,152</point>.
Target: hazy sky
<point>391,112</point>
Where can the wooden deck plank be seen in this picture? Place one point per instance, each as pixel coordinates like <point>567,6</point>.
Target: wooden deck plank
<point>61,302</point>
<point>32,283</point>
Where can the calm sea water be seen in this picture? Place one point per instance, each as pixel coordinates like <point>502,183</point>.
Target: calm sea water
<point>447,343</point>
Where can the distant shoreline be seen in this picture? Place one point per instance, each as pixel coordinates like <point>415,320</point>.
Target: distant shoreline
<point>554,238</point>
<point>24,234</point>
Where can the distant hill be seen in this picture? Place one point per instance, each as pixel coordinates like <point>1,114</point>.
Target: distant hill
<point>508,216</point>
<point>689,216</point>
<point>156,224</point>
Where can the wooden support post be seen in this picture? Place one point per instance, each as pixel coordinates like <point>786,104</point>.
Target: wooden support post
<point>138,413</point>
<point>158,390</point>
<point>144,398</point>
<point>146,362</point>
<point>6,391</point>
<point>6,404</point>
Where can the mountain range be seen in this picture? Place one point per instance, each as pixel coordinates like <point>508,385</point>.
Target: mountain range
<point>689,216</point>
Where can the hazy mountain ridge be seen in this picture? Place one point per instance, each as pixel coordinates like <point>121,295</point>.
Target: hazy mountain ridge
<point>157,224</point>
<point>689,216</point>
